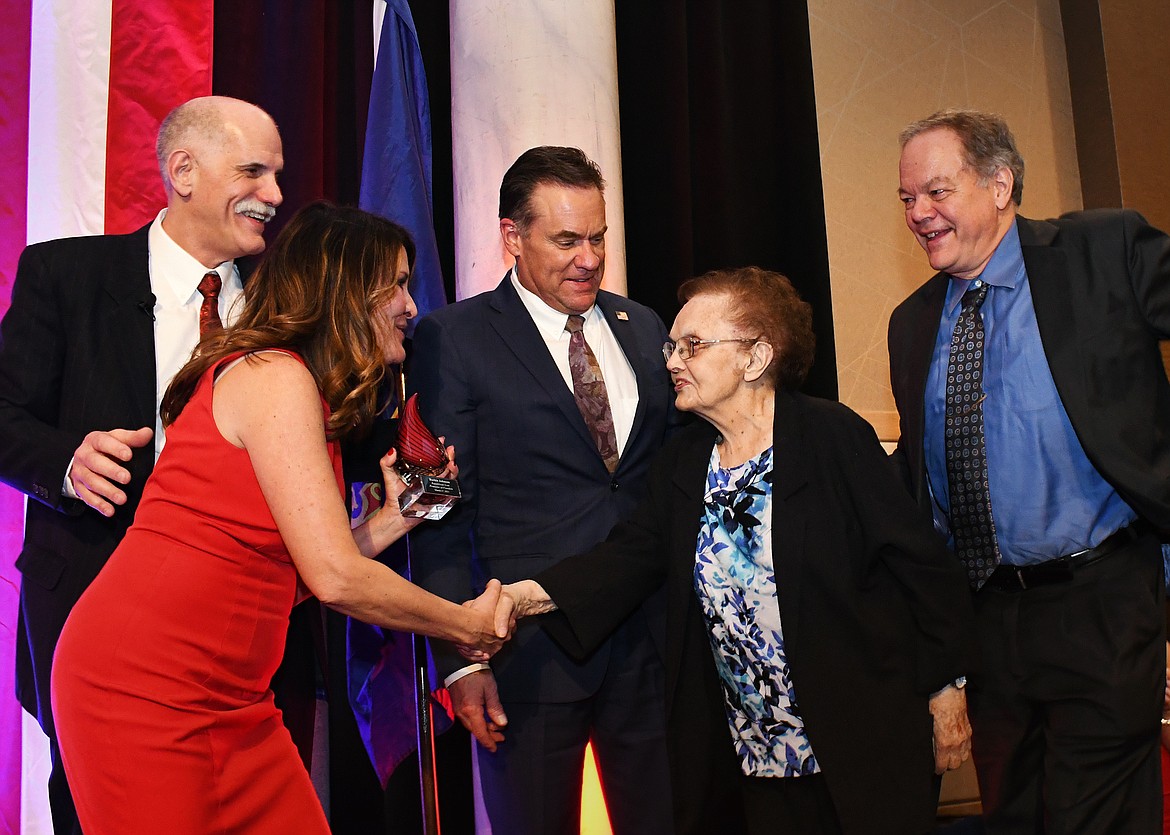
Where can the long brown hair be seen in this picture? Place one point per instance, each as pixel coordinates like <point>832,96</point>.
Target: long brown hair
<point>315,293</point>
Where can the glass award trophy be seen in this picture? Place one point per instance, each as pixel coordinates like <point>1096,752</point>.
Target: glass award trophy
<point>420,460</point>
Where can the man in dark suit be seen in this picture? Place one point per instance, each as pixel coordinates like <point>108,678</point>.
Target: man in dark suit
<point>97,327</point>
<point>502,378</point>
<point>1034,412</point>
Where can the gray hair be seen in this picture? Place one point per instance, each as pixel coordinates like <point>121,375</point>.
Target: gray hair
<point>987,142</point>
<point>198,118</point>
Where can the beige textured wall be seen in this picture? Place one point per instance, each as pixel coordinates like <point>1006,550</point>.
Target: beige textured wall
<point>880,64</point>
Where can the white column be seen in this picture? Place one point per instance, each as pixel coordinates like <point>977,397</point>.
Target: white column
<point>527,73</point>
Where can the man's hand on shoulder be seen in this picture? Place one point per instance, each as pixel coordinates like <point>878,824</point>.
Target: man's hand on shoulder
<point>97,470</point>
<point>477,704</point>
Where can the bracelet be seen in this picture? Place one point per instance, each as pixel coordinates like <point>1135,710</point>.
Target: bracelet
<point>464,671</point>
<point>1165,721</point>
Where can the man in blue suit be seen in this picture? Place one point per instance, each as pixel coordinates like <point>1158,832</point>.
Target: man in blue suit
<point>500,376</point>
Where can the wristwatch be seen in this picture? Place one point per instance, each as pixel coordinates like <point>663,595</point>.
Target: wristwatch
<point>960,682</point>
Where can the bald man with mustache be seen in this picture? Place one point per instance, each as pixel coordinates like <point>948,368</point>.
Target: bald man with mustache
<point>97,327</point>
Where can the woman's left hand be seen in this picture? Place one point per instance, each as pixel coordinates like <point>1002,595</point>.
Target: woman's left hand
<point>952,730</point>
<point>393,486</point>
<point>386,524</point>
<point>452,469</point>
<point>392,482</point>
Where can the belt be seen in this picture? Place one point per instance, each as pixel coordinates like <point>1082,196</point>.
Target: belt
<point>1060,570</point>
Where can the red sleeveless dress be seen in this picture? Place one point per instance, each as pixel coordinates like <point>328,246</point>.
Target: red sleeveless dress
<point>161,678</point>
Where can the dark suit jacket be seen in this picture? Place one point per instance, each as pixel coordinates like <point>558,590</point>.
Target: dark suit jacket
<point>875,611</point>
<point>534,487</point>
<point>76,354</point>
<point>1100,283</point>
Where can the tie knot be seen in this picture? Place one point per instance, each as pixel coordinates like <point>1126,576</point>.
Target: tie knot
<point>575,324</point>
<point>209,286</point>
<point>975,295</point>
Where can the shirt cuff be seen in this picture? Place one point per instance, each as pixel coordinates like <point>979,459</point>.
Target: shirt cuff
<point>67,484</point>
<point>464,671</point>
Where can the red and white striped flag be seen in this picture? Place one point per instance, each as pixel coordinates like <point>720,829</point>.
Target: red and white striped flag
<point>83,87</point>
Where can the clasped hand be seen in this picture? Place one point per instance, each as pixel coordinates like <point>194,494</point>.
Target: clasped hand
<point>496,626</point>
<point>474,696</point>
<point>512,602</point>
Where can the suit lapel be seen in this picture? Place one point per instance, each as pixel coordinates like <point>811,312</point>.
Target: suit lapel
<point>517,330</point>
<point>790,508</point>
<point>644,368</point>
<point>1056,317</point>
<point>916,369</point>
<point>128,301</point>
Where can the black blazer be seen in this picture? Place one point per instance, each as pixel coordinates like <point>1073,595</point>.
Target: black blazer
<point>534,487</point>
<point>1100,283</point>
<point>76,355</point>
<point>875,611</point>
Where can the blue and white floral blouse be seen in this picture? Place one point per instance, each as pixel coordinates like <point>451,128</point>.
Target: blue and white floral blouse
<point>736,585</point>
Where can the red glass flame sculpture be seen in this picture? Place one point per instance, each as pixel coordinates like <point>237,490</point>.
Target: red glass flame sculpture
<point>420,460</point>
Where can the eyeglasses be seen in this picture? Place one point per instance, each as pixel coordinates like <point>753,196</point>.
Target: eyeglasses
<point>687,346</point>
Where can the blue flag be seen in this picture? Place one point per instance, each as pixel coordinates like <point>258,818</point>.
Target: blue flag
<point>396,184</point>
<point>396,165</point>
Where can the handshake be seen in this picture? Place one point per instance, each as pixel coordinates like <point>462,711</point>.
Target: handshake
<point>474,697</point>
<point>496,612</point>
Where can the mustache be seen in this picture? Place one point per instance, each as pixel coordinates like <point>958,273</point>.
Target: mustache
<point>255,207</point>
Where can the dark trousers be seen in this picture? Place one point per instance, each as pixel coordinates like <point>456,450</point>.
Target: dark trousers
<point>532,784</point>
<point>779,805</point>
<point>1065,709</point>
<point>60,798</point>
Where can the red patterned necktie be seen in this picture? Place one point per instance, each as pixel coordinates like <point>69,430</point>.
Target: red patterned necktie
<point>589,392</point>
<point>209,310</point>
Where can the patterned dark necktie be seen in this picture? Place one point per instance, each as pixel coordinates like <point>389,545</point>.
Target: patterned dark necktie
<point>589,392</point>
<point>209,310</point>
<point>970,496</point>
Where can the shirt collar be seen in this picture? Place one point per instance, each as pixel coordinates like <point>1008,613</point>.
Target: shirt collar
<point>550,323</point>
<point>1005,269</point>
<point>173,267</point>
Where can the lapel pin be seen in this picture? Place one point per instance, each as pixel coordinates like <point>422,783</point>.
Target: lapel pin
<point>621,314</point>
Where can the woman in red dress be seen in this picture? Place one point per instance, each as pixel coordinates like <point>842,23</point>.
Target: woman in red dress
<point>161,677</point>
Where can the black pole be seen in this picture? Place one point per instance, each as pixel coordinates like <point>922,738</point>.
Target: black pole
<point>428,789</point>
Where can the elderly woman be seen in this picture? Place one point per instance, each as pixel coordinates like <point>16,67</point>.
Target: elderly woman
<point>815,622</point>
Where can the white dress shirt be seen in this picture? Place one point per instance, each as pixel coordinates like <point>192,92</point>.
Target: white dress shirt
<point>620,383</point>
<point>174,280</point>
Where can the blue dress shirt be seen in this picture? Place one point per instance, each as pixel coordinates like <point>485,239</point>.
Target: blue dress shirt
<point>1047,498</point>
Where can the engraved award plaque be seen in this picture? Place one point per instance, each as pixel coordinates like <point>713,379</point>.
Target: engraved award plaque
<point>420,460</point>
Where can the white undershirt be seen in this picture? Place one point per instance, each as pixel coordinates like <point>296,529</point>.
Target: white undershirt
<point>620,383</point>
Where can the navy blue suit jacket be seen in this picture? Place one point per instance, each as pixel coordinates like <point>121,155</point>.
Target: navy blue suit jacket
<point>535,489</point>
